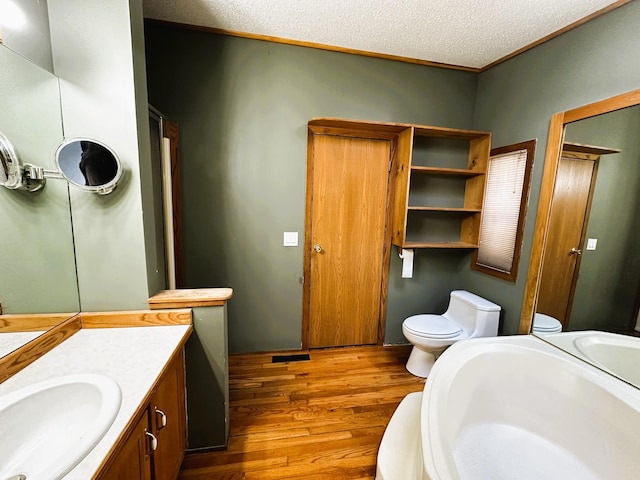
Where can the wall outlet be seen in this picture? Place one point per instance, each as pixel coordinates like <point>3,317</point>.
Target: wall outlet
<point>290,239</point>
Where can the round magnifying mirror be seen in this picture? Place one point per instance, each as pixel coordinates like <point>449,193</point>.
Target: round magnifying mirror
<point>10,173</point>
<point>89,165</point>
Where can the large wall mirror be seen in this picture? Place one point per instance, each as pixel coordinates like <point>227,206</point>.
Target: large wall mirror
<point>24,28</point>
<point>37,263</point>
<point>585,264</point>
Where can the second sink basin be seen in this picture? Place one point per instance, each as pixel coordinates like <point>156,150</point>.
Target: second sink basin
<point>614,353</point>
<point>618,354</point>
<point>47,428</point>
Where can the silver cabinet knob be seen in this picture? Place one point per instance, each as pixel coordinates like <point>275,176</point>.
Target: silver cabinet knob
<point>317,248</point>
<point>575,251</point>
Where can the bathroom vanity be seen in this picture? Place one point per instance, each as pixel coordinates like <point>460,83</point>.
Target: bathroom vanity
<point>159,431</point>
<point>144,353</point>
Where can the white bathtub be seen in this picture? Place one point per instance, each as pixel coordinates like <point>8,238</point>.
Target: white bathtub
<point>516,408</point>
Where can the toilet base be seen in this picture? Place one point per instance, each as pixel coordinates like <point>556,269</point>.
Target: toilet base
<point>421,362</point>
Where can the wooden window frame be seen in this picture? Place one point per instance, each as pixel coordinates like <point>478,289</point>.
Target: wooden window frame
<point>511,276</point>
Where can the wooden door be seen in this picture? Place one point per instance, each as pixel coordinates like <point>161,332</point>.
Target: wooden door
<point>347,238</point>
<point>567,226</point>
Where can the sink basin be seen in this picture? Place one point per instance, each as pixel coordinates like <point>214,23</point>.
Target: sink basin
<point>47,428</point>
<point>614,353</point>
<point>618,354</point>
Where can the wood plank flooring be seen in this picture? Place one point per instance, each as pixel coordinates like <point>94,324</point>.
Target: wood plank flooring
<point>309,420</point>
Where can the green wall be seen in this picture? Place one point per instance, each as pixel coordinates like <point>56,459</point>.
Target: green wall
<point>609,281</point>
<point>516,99</point>
<point>103,90</point>
<point>243,107</point>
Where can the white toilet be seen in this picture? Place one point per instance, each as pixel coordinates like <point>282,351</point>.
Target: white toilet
<point>544,324</point>
<point>468,316</point>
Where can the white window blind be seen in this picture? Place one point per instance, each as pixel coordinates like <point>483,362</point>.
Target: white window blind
<point>501,210</point>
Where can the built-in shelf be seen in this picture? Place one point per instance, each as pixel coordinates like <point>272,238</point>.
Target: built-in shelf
<point>468,211</point>
<point>439,187</point>
<point>460,245</point>
<point>462,172</point>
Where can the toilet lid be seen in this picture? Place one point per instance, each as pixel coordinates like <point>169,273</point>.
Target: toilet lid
<point>545,323</point>
<point>432,326</point>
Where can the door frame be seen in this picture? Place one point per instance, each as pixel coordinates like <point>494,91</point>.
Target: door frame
<point>369,131</point>
<point>168,133</point>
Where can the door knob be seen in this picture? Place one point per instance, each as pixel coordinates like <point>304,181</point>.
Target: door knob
<point>317,248</point>
<point>575,251</point>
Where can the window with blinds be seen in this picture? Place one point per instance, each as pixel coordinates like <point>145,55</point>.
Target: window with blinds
<point>504,209</point>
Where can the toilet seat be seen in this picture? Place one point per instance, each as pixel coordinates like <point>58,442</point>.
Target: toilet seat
<point>432,326</point>
<point>543,329</point>
<point>546,330</point>
<point>546,324</point>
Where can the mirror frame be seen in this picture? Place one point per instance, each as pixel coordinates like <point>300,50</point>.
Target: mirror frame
<point>551,161</point>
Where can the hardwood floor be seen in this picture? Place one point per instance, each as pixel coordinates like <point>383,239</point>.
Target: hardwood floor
<point>309,420</point>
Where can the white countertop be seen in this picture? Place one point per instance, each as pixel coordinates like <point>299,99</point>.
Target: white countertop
<point>133,356</point>
<point>10,341</point>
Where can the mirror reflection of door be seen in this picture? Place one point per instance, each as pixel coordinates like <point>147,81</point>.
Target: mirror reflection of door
<point>607,293</point>
<point>573,193</point>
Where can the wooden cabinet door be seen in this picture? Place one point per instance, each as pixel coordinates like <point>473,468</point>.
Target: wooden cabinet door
<point>132,460</point>
<point>169,421</point>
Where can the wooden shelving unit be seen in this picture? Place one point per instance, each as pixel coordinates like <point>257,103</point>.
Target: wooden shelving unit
<point>439,189</point>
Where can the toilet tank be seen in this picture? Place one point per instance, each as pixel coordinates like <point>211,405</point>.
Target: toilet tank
<point>478,316</point>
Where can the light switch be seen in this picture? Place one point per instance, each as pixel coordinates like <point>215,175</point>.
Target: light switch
<point>290,239</point>
<point>591,243</point>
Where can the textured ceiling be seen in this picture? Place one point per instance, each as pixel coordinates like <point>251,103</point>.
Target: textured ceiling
<point>466,33</point>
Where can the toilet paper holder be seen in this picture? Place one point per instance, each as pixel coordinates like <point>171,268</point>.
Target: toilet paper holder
<point>407,261</point>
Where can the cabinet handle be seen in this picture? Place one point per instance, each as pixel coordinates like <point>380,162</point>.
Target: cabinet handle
<point>162,422</point>
<point>153,440</point>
